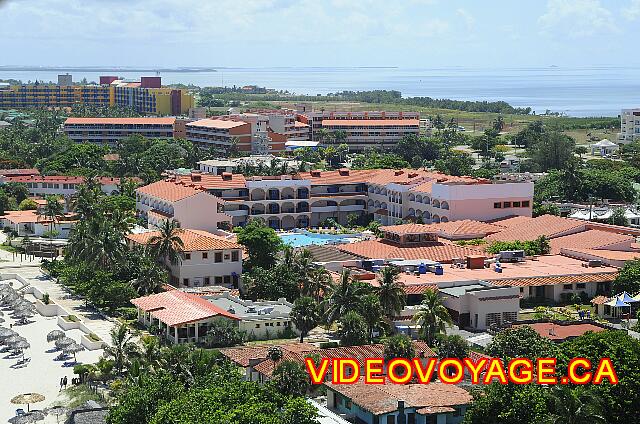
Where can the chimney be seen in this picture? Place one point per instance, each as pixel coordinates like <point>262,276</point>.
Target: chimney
<point>227,176</point>
<point>196,176</point>
<point>398,172</point>
<point>343,171</point>
<point>315,173</point>
<point>402,418</point>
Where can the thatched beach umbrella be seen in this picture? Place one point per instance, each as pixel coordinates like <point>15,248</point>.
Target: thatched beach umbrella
<point>27,399</point>
<point>13,339</point>
<point>55,335</point>
<point>72,350</point>
<point>6,332</point>
<point>63,342</point>
<point>30,417</point>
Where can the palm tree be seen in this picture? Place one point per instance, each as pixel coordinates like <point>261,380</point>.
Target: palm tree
<point>53,210</point>
<point>339,136</point>
<point>432,316</point>
<point>391,292</point>
<point>343,297</point>
<point>371,312</point>
<point>498,124</point>
<point>305,315</point>
<point>167,244</point>
<point>574,405</point>
<point>149,275</point>
<point>122,347</point>
<point>324,135</point>
<point>275,354</point>
<point>317,283</point>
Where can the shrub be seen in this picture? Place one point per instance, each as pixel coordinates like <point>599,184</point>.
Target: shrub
<point>71,318</point>
<point>45,299</point>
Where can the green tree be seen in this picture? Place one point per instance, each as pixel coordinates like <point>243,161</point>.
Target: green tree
<point>628,278</point>
<point>581,150</point>
<point>28,204</point>
<point>432,316</point>
<point>223,333</point>
<point>618,217</point>
<point>552,151</point>
<point>343,297</point>
<point>122,347</point>
<point>371,312</point>
<point>305,315</point>
<point>291,379</point>
<point>574,405</point>
<point>456,163</point>
<point>261,242</point>
<point>353,329</point>
<point>399,346</point>
<point>167,245</point>
<point>452,346</point>
<point>390,291</point>
<point>540,209</point>
<point>521,342</point>
<point>508,404</point>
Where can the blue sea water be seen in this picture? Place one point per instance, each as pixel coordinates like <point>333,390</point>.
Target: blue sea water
<point>583,91</point>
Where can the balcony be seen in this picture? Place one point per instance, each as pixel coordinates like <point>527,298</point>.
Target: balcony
<point>320,209</point>
<point>237,212</point>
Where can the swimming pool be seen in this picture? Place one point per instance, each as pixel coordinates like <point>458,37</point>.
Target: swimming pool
<point>307,238</point>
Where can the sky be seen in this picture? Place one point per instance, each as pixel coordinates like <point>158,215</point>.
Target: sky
<point>309,33</point>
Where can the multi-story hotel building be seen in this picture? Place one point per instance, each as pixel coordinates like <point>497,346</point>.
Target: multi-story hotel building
<point>111,130</point>
<point>307,199</point>
<point>220,134</point>
<point>44,185</point>
<point>629,126</point>
<point>146,96</point>
<point>361,134</point>
<point>367,133</point>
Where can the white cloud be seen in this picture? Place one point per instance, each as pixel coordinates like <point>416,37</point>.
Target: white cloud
<point>576,18</point>
<point>466,17</point>
<point>632,12</point>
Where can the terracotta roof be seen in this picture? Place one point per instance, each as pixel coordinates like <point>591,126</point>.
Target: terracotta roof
<point>524,228</point>
<point>419,288</point>
<point>211,181</point>
<point>299,124</point>
<point>23,217</point>
<point>19,171</point>
<point>559,279</point>
<point>599,300</point>
<point>590,239</point>
<point>176,307</point>
<point>169,190</point>
<point>121,121</point>
<point>375,249</point>
<point>383,398</point>
<point>159,214</point>
<point>369,122</point>
<point>336,177</point>
<point>193,240</point>
<point>512,221</point>
<point>359,353</point>
<point>216,123</point>
<point>242,354</point>
<point>561,332</point>
<point>614,255</point>
<point>409,228</point>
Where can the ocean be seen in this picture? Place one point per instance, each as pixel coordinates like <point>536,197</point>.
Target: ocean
<point>583,91</point>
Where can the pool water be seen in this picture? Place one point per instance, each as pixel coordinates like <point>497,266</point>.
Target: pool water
<point>306,238</point>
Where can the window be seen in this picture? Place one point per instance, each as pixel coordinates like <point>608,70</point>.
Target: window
<point>497,205</point>
<point>187,256</point>
<point>218,257</point>
<point>567,286</point>
<point>506,205</point>
<point>185,281</point>
<point>581,286</point>
<point>525,203</point>
<point>218,281</point>
<point>516,204</point>
<point>257,325</point>
<point>235,256</point>
<point>207,281</point>
<point>227,280</point>
<point>205,255</point>
<point>411,418</point>
<point>278,324</point>
<point>391,419</point>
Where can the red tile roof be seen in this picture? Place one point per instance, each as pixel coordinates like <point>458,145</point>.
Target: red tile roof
<point>242,354</point>
<point>375,249</point>
<point>169,190</point>
<point>19,172</point>
<point>121,121</point>
<point>193,240</point>
<point>525,228</point>
<point>351,176</point>
<point>614,255</point>
<point>216,123</point>
<point>383,398</point>
<point>62,179</point>
<point>559,279</point>
<point>599,300</point>
<point>453,229</point>
<point>562,332</point>
<point>409,229</point>
<point>176,308</point>
<point>590,239</point>
<point>419,288</point>
<point>211,181</point>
